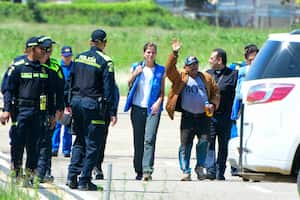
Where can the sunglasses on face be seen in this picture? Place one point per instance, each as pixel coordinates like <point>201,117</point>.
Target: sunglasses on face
<point>46,49</point>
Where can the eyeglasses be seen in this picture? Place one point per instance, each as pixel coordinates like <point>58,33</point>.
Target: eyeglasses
<point>46,49</point>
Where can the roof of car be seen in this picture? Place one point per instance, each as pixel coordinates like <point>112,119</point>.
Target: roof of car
<point>287,37</point>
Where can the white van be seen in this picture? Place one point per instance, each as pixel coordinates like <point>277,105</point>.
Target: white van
<point>271,97</point>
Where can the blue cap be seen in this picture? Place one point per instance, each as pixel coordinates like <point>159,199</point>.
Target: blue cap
<point>191,60</point>
<point>66,51</point>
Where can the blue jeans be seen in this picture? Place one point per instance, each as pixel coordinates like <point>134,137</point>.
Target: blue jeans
<point>67,139</point>
<point>192,125</point>
<point>144,135</point>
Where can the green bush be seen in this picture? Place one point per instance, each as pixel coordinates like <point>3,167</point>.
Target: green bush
<point>130,13</point>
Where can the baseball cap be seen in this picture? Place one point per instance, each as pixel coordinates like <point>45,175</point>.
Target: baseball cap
<point>98,35</point>
<point>45,41</point>
<point>31,42</point>
<point>191,60</point>
<point>66,51</point>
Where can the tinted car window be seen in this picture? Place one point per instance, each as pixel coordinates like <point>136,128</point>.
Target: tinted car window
<point>276,60</point>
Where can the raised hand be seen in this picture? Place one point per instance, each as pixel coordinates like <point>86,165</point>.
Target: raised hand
<point>176,44</point>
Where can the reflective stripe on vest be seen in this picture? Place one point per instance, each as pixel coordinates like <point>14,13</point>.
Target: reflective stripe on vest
<point>29,75</point>
<point>85,60</point>
<point>102,122</point>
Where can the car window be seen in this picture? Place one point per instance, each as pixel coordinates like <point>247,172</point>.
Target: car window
<point>276,60</point>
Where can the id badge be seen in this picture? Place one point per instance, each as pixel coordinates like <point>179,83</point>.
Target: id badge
<point>43,102</point>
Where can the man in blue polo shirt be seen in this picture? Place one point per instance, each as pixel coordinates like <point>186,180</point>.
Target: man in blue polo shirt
<point>66,65</point>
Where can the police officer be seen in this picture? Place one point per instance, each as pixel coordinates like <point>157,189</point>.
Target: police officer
<point>27,87</point>
<point>55,98</point>
<point>92,86</point>
<point>13,113</point>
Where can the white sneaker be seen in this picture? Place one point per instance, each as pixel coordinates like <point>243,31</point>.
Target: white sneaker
<point>186,177</point>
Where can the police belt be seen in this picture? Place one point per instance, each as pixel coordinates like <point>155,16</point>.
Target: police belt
<point>97,98</point>
<point>192,115</point>
<point>28,103</point>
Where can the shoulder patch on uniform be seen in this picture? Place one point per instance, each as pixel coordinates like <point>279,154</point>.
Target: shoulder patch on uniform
<point>108,61</point>
<point>106,58</point>
<point>19,62</point>
<point>10,70</point>
<point>111,67</point>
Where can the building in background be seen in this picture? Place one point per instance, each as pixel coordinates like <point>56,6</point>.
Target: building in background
<point>237,13</point>
<point>255,13</point>
<point>228,13</point>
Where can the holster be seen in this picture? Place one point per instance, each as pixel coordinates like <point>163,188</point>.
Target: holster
<point>13,112</point>
<point>102,107</point>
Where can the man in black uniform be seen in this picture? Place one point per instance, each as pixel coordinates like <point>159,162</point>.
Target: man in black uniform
<point>28,87</point>
<point>226,79</point>
<point>13,113</point>
<point>91,83</point>
<point>55,98</point>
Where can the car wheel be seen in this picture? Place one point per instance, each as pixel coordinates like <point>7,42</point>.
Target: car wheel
<point>245,179</point>
<point>298,182</point>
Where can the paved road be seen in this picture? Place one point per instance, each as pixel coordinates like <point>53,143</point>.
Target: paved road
<point>165,184</point>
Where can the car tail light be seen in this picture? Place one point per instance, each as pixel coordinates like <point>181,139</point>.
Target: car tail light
<point>266,93</point>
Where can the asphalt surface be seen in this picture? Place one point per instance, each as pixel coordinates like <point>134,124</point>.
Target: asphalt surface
<point>166,176</point>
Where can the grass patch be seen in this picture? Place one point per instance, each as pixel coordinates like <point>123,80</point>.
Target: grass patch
<point>9,191</point>
<point>125,43</point>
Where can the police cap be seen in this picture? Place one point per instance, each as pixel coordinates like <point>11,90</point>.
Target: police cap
<point>31,42</point>
<point>98,35</point>
<point>45,41</point>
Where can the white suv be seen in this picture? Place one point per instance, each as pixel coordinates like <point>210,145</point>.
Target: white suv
<point>271,96</point>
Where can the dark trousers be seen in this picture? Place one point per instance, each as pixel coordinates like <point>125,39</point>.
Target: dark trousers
<point>193,125</point>
<point>220,129</point>
<point>90,127</point>
<point>12,135</point>
<point>27,134</point>
<point>144,136</point>
<point>103,145</point>
<point>45,149</point>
